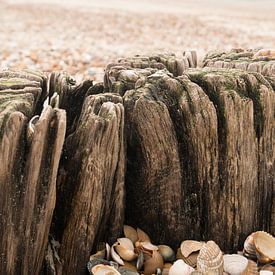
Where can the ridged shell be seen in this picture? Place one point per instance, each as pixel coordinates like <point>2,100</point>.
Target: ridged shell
<point>249,246</point>
<point>142,236</point>
<point>130,233</point>
<point>167,253</point>
<point>190,260</point>
<point>251,269</point>
<point>104,270</point>
<point>189,246</point>
<point>234,264</point>
<point>269,267</point>
<point>154,262</point>
<point>210,259</point>
<point>180,268</point>
<point>265,246</point>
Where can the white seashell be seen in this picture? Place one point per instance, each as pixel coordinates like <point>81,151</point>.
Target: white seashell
<point>180,268</point>
<point>210,259</point>
<point>125,248</point>
<point>108,251</point>
<point>30,128</point>
<point>266,272</point>
<point>115,256</point>
<point>104,270</point>
<point>234,264</point>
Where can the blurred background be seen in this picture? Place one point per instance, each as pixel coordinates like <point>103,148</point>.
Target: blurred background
<point>82,36</point>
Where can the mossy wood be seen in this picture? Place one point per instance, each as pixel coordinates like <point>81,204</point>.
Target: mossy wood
<point>181,153</point>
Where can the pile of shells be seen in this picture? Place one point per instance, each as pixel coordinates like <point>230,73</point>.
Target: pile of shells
<point>135,254</point>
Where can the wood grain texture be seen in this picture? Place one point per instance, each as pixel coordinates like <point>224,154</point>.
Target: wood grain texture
<point>28,173</point>
<point>91,182</point>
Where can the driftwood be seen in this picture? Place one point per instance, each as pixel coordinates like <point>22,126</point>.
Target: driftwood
<point>181,153</point>
<point>29,159</point>
<point>261,61</point>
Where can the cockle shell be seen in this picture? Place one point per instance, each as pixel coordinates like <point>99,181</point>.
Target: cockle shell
<point>251,269</point>
<point>269,267</point>
<point>167,253</point>
<point>190,260</point>
<point>152,263</point>
<point>265,246</point>
<point>210,259</point>
<point>249,246</point>
<point>180,268</point>
<point>125,248</point>
<point>234,264</point>
<point>130,233</point>
<point>189,246</point>
<point>142,236</point>
<point>104,270</point>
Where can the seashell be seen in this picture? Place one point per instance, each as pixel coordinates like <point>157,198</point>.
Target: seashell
<point>140,260</point>
<point>180,268</point>
<point>196,272</point>
<point>249,246</point>
<point>189,246</point>
<point>142,236</point>
<point>126,271</point>
<point>266,272</point>
<point>115,256</point>
<point>130,233</point>
<point>30,128</point>
<point>251,269</point>
<point>158,271</point>
<point>154,262</point>
<point>190,260</point>
<point>125,248</point>
<point>265,246</point>
<point>234,264</point>
<point>167,253</point>
<point>146,246</point>
<point>210,259</point>
<point>269,267</point>
<point>104,270</point>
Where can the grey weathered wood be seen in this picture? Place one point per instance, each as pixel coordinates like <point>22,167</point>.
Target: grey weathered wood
<point>91,182</point>
<point>28,173</point>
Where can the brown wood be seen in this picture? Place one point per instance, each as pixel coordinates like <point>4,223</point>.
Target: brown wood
<point>91,182</point>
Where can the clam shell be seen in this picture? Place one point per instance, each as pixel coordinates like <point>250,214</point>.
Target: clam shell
<point>265,246</point>
<point>266,272</point>
<point>210,259</point>
<point>189,246</point>
<point>180,268</point>
<point>190,260</point>
<point>130,233</point>
<point>125,248</point>
<point>126,271</point>
<point>115,256</point>
<point>249,246</point>
<point>269,267</point>
<point>142,236</point>
<point>154,262</point>
<point>251,269</point>
<point>148,246</point>
<point>140,260</point>
<point>104,270</point>
<point>167,253</point>
<point>234,264</point>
